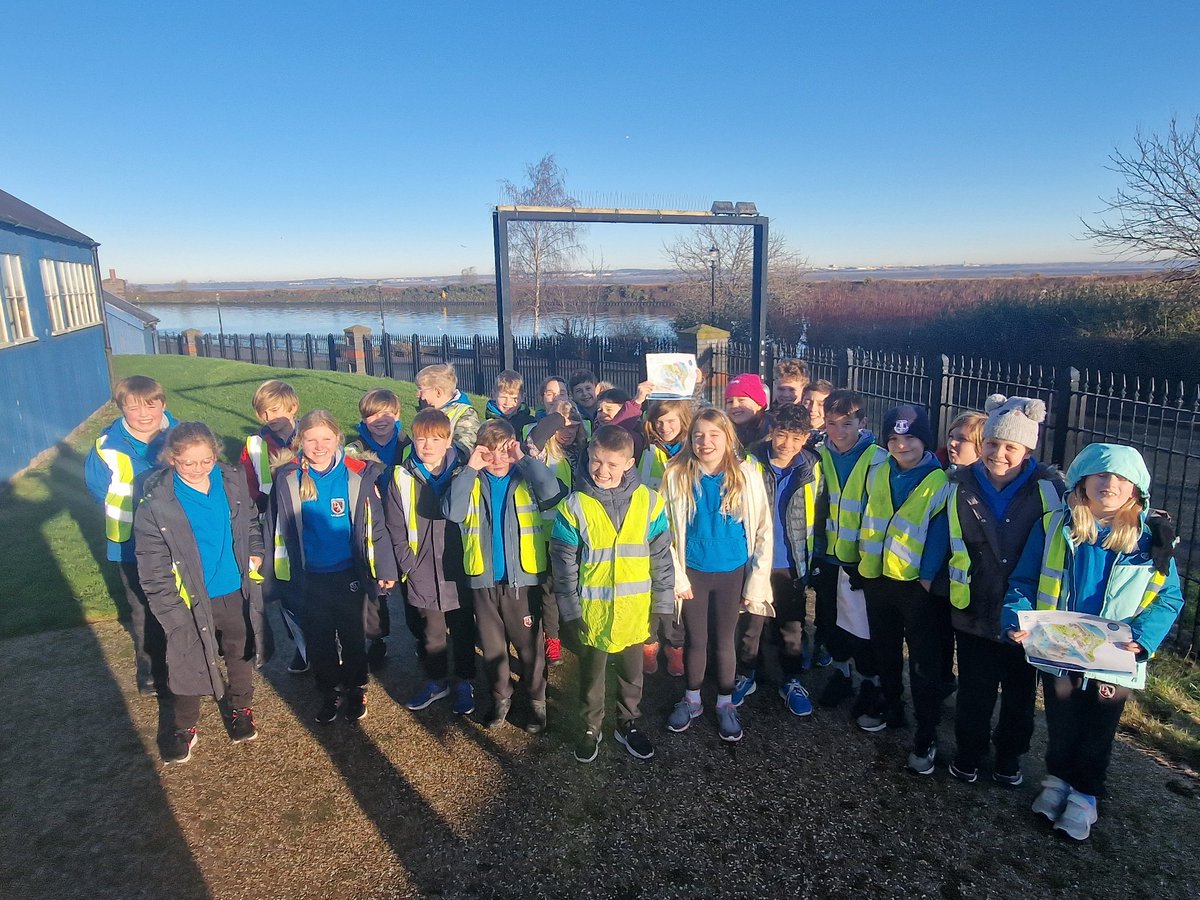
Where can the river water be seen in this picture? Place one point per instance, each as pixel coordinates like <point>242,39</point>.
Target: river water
<point>323,318</point>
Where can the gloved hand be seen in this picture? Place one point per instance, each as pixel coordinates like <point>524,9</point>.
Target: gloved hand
<point>568,632</point>
<point>1162,539</point>
<point>856,580</point>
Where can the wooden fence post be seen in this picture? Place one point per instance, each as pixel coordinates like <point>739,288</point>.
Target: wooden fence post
<point>847,371</point>
<point>1068,410</point>
<point>309,352</point>
<point>287,346</point>
<point>937,374</point>
<point>333,352</point>
<point>477,350</point>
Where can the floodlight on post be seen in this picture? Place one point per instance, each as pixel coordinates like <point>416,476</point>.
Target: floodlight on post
<point>722,208</point>
<point>745,208</point>
<point>713,256</point>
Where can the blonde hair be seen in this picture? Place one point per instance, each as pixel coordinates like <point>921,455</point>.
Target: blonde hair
<point>271,392</point>
<point>184,435</point>
<point>313,419</point>
<point>440,376</point>
<point>379,400</point>
<point>509,381</point>
<point>683,408</point>
<point>570,412</point>
<point>971,424</point>
<point>1124,530</point>
<point>683,473</point>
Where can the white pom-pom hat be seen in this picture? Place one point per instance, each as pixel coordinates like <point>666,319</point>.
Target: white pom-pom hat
<point>1014,419</point>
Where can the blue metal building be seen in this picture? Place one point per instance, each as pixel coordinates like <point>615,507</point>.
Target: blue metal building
<point>53,361</point>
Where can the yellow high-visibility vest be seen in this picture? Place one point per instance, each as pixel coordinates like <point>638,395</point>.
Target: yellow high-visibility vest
<point>533,549</point>
<point>118,501</point>
<point>846,502</point>
<point>892,540</point>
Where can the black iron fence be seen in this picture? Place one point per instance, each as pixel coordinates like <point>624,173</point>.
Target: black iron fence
<point>1160,419</point>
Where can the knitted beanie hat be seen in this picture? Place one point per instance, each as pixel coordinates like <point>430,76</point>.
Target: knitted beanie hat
<point>907,420</point>
<point>1013,419</point>
<point>750,386</point>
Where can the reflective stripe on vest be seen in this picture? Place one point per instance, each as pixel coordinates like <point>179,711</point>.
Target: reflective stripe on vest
<point>846,503</point>
<point>614,567</point>
<point>960,559</point>
<point>892,540</point>
<point>406,484</point>
<point>118,502</point>
<point>260,460</point>
<point>653,464</point>
<point>810,509</point>
<point>529,525</point>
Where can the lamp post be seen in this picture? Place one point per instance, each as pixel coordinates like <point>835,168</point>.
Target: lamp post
<point>220,321</point>
<point>379,297</point>
<point>713,255</point>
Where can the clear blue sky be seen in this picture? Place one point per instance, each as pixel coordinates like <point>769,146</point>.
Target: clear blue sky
<point>293,140</point>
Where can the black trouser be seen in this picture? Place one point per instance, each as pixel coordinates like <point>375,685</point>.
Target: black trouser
<point>1081,723</point>
<point>149,641</point>
<point>593,669</point>
<point>430,626</point>
<point>946,637</point>
<point>983,667</point>
<point>824,585</point>
<point>229,622</point>
<point>713,609</point>
<point>900,612</point>
<point>549,605</point>
<point>663,627</point>
<point>785,630</point>
<point>333,617</point>
<point>377,620</point>
<point>842,645</point>
<point>505,614</point>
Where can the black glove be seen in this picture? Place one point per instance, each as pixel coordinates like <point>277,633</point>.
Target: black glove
<point>856,579</point>
<point>544,430</point>
<point>1162,539</point>
<point>568,632</point>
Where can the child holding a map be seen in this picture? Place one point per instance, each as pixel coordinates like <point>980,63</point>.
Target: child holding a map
<point>994,504</point>
<point>1097,554</point>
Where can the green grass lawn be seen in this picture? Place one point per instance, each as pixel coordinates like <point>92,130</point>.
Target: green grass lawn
<point>53,573</point>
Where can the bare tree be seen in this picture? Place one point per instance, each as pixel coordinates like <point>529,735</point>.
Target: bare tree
<point>1157,211</point>
<point>538,248</point>
<point>691,256</point>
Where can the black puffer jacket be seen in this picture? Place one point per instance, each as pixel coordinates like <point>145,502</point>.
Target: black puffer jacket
<point>166,543</point>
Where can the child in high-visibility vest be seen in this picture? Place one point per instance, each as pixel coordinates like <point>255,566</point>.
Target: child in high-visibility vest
<point>276,406</point>
<point>116,466</point>
<point>611,548</point>
<point>508,402</point>
<point>332,556</point>
<point>848,453</point>
<point>788,471</point>
<point>380,437</point>
<point>665,429</point>
<point>429,557</point>
<point>994,504</point>
<point>720,518</point>
<point>1101,553</point>
<point>903,544</point>
<point>437,388</point>
<point>497,501</point>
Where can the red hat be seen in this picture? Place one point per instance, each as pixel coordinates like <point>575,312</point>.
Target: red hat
<point>750,386</point>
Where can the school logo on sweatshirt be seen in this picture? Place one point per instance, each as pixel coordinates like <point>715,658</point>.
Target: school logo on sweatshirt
<point>337,507</point>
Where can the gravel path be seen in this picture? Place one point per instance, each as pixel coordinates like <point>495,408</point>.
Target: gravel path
<point>427,805</point>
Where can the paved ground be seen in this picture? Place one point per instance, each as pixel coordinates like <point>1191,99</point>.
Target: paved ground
<point>427,805</point>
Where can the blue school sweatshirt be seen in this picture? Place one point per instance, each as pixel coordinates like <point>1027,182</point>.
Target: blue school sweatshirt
<point>208,514</point>
<point>937,541</point>
<point>498,485</point>
<point>327,527</point>
<point>387,453</point>
<point>998,500</point>
<point>715,542</point>
<point>786,485</point>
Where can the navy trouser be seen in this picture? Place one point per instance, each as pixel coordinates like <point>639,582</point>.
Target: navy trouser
<point>1081,723</point>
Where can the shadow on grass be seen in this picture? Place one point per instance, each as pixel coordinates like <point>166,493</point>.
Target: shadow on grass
<point>83,812</point>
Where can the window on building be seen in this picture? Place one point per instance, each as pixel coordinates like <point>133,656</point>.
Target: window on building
<point>15,325</point>
<point>70,294</point>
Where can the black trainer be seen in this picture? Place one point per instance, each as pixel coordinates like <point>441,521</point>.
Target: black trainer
<point>356,706</point>
<point>588,747</point>
<point>867,699</point>
<point>298,665</point>
<point>634,741</point>
<point>241,725</point>
<point>329,709</point>
<point>179,747</point>
<point>839,687</point>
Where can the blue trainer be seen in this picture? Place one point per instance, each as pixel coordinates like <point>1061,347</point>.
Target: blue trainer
<point>729,726</point>
<point>433,690</point>
<point>464,699</point>
<point>682,715</point>
<point>823,657</point>
<point>744,687</point>
<point>795,698</point>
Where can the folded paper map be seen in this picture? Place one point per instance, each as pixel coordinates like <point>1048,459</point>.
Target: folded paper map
<point>672,374</point>
<point>1076,642</point>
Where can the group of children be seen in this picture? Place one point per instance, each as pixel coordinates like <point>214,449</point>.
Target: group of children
<point>623,528</point>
